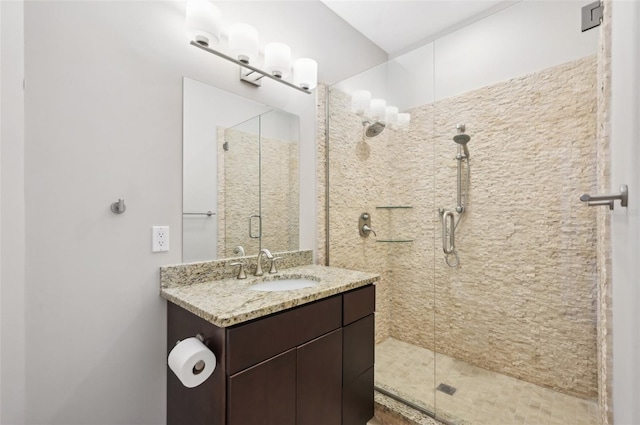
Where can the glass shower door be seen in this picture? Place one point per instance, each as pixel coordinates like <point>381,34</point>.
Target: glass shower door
<point>515,323</point>
<point>486,306</point>
<point>381,166</point>
<point>239,188</point>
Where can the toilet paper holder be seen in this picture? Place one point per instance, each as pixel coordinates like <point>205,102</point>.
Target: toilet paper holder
<point>199,336</point>
<point>199,366</point>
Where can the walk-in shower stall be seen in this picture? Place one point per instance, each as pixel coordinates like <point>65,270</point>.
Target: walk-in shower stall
<point>470,181</point>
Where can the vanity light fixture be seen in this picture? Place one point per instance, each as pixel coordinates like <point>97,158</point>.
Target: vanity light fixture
<point>243,42</point>
<point>376,110</point>
<point>391,115</point>
<point>277,59</point>
<point>204,22</point>
<point>360,102</point>
<point>203,29</point>
<point>403,120</point>
<point>305,73</point>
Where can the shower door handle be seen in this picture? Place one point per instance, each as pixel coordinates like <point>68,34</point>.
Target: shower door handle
<point>251,226</point>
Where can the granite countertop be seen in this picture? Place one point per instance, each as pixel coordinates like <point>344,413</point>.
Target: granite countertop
<point>228,302</point>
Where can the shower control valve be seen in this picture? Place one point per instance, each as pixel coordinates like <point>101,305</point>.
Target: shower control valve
<point>364,225</point>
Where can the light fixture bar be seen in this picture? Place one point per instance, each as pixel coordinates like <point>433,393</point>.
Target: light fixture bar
<point>248,66</point>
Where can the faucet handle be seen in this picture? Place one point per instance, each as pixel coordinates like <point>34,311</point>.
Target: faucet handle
<point>241,273</point>
<point>366,229</point>
<point>273,268</point>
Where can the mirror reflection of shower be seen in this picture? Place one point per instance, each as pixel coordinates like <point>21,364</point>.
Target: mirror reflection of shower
<point>376,115</point>
<point>372,129</point>
<point>447,218</point>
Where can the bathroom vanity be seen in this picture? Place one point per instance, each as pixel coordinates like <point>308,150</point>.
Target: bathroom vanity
<point>300,356</point>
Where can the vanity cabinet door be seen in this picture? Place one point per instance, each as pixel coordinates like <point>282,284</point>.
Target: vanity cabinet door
<point>358,359</point>
<point>320,381</point>
<point>359,348</point>
<point>264,394</point>
<point>357,397</point>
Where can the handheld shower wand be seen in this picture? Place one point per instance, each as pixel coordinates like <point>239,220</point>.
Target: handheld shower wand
<point>449,223</point>
<point>462,139</point>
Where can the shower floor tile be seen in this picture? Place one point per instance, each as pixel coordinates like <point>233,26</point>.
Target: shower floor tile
<point>481,396</point>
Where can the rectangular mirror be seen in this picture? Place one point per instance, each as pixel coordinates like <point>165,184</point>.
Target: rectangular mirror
<point>240,175</point>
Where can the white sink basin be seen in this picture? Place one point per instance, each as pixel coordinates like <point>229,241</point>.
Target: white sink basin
<point>284,284</point>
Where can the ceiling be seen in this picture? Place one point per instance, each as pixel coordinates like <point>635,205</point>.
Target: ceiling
<point>397,26</point>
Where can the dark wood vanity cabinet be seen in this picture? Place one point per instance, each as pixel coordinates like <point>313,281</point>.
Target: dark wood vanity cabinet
<point>358,356</point>
<point>264,393</point>
<point>310,365</point>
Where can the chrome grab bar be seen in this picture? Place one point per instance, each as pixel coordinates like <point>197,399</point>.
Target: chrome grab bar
<point>448,232</point>
<point>208,213</point>
<point>599,200</point>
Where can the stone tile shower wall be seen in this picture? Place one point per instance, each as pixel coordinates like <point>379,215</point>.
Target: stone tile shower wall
<point>523,300</point>
<point>358,183</point>
<point>238,191</point>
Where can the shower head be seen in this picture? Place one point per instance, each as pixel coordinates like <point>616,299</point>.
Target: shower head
<point>462,139</point>
<point>373,129</point>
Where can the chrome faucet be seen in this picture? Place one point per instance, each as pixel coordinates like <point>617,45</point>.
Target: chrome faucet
<point>266,252</point>
<point>241,273</point>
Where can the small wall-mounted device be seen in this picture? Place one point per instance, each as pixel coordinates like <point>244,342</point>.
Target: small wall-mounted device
<point>364,225</point>
<point>160,239</point>
<point>118,207</point>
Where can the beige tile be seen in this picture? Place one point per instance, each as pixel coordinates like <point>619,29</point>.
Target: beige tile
<point>481,397</point>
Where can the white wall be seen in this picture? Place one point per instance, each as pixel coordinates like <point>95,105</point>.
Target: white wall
<point>625,222</point>
<point>526,37</point>
<point>103,111</point>
<point>12,219</point>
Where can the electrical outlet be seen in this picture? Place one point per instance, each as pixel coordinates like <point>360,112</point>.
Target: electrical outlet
<point>160,239</point>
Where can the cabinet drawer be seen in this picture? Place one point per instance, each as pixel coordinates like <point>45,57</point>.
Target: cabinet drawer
<point>358,348</point>
<point>358,303</point>
<point>253,342</point>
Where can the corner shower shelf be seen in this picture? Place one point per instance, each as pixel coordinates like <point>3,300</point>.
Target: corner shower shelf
<point>389,208</point>
<point>393,207</point>
<point>394,240</point>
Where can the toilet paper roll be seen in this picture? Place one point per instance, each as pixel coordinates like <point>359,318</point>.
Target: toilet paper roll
<point>192,362</point>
